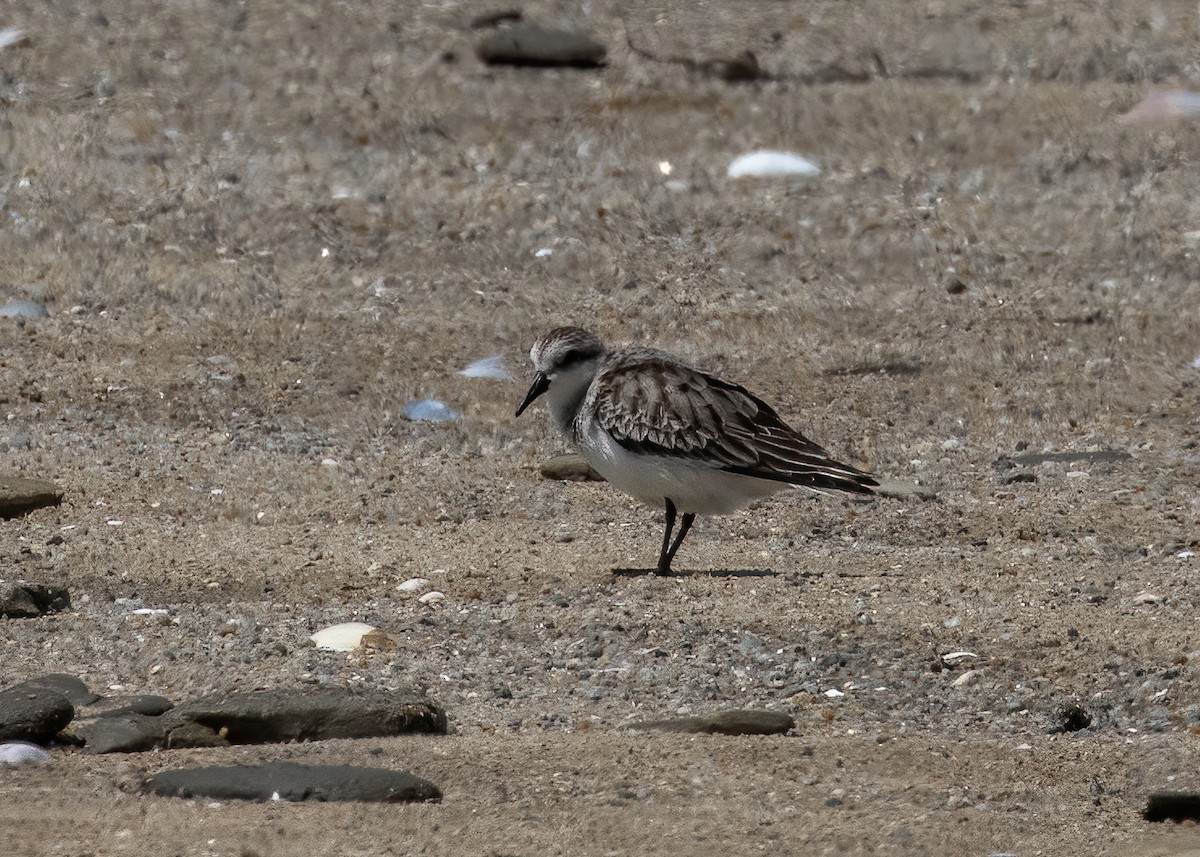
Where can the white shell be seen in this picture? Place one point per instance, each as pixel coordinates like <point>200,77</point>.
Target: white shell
<point>345,637</point>
<point>431,598</point>
<point>22,753</point>
<point>770,163</point>
<point>415,584</point>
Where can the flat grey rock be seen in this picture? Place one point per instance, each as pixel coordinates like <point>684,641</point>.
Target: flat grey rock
<point>743,721</point>
<point>130,732</point>
<point>19,494</point>
<point>532,45</point>
<point>312,715</point>
<point>72,687</point>
<point>32,713</point>
<point>571,467</point>
<point>24,600</point>
<point>149,704</point>
<point>292,782</point>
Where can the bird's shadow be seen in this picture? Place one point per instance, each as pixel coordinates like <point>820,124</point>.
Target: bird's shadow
<point>712,572</point>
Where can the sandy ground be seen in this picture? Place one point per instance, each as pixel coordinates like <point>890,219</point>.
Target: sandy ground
<point>261,229</point>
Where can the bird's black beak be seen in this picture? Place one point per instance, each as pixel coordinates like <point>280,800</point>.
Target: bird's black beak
<point>540,385</point>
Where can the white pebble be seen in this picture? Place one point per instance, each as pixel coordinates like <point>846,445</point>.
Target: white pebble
<point>969,677</point>
<point>431,598</point>
<point>22,753</point>
<point>771,163</point>
<point>1147,598</point>
<point>954,657</point>
<point>415,584</point>
<point>345,637</point>
<point>10,36</point>
<point>834,693</point>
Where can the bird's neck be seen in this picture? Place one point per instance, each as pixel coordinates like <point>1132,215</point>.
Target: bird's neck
<point>567,392</point>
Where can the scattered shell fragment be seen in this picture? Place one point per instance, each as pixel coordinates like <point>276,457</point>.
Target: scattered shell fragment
<point>346,637</point>
<point>430,411</point>
<point>432,598</point>
<point>415,584</point>
<point>488,367</point>
<point>1147,598</point>
<point>834,693</point>
<point>955,657</point>
<point>766,162</point>
<point>22,753</point>
<point>967,678</point>
<point>1165,106</point>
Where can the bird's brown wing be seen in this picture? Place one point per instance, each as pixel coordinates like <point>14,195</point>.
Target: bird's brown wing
<point>653,405</point>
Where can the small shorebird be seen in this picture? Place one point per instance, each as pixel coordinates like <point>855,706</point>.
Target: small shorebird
<point>672,435</point>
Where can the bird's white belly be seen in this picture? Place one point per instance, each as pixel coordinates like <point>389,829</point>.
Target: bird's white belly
<point>691,486</point>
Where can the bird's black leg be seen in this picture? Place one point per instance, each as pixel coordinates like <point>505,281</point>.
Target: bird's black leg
<point>664,555</point>
<point>684,526</point>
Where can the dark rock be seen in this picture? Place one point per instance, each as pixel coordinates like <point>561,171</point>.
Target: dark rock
<point>303,715</point>
<point>23,600</point>
<point>130,732</point>
<point>32,713</point>
<point>1018,476</point>
<point>745,721</point>
<point>1172,806</point>
<point>19,495</point>
<point>531,45</point>
<point>289,781</point>
<point>149,704</point>
<point>571,467</point>
<point>68,685</point>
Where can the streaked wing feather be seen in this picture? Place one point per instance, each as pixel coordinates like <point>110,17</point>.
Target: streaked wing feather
<point>652,405</point>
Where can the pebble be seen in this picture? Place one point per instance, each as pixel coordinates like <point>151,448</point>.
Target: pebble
<point>23,309</point>
<point>532,45</point>
<point>346,637</point>
<point>767,163</point>
<point>431,598</point>
<point>1147,598</point>
<point>430,411</point>
<point>414,584</point>
<point>22,753</point>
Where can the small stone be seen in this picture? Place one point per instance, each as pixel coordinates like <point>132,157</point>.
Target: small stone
<point>1147,598</point>
<point>571,467</point>
<point>531,45</point>
<point>19,495</point>
<point>291,782</point>
<point>414,584</point>
<point>745,721</point>
<point>431,599</point>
